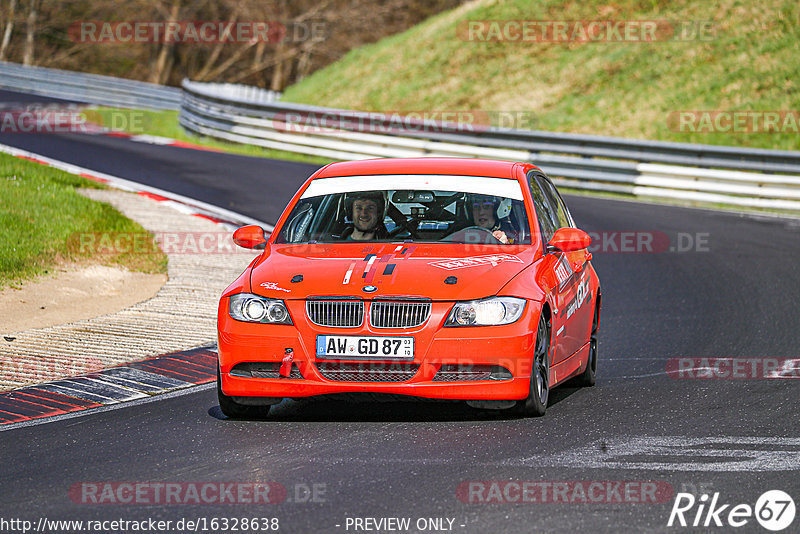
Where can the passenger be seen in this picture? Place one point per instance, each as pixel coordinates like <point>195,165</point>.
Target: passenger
<point>484,214</point>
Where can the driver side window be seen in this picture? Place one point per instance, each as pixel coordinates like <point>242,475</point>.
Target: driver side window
<point>297,226</point>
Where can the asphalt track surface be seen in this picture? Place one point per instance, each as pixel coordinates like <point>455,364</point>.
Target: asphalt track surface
<point>735,297</point>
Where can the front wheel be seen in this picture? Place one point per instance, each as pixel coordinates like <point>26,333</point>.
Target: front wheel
<point>536,402</point>
<point>233,409</point>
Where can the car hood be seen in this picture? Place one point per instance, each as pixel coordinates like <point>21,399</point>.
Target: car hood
<point>419,270</point>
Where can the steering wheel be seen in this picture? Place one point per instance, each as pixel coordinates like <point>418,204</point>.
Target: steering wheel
<point>464,231</point>
<point>399,230</point>
<point>400,221</point>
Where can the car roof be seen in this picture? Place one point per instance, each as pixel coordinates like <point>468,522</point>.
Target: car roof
<point>451,166</point>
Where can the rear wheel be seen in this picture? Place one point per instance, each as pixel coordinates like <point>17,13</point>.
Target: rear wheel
<point>536,402</point>
<point>234,410</point>
<point>589,376</point>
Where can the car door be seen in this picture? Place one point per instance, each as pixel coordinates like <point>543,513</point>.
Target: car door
<point>573,309</point>
<point>555,264</point>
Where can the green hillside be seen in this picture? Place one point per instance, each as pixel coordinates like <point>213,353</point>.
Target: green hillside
<point>750,60</point>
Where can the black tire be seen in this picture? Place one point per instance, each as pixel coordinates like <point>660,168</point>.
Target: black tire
<point>536,403</point>
<point>589,376</point>
<point>234,410</point>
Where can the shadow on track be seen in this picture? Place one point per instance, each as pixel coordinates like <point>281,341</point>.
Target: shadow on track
<point>375,407</point>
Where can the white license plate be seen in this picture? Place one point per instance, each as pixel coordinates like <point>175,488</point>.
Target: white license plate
<point>366,347</point>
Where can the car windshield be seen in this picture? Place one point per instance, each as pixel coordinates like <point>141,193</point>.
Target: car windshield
<point>409,208</point>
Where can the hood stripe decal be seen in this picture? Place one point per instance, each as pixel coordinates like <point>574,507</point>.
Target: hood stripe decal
<point>348,274</point>
<point>372,262</point>
<point>368,268</point>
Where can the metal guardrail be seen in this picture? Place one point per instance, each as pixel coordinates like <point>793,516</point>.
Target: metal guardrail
<point>706,173</point>
<point>245,94</point>
<point>88,88</point>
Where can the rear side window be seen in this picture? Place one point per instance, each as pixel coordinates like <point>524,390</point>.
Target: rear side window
<point>545,213</point>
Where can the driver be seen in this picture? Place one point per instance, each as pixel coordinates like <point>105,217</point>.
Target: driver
<point>367,210</point>
<point>484,214</point>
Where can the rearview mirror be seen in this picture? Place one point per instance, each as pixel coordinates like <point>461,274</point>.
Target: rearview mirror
<point>406,197</point>
<point>250,236</point>
<point>569,240</point>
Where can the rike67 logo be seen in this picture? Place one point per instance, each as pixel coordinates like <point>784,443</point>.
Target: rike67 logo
<point>774,510</point>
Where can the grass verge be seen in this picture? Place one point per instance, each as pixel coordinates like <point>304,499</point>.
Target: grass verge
<point>42,217</point>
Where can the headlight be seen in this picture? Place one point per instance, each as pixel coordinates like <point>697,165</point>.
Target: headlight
<point>255,309</point>
<point>486,312</point>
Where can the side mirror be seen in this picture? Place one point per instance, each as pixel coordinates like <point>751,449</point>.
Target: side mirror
<point>569,240</point>
<point>250,236</point>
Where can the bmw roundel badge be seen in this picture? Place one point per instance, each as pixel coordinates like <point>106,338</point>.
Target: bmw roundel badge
<point>369,289</point>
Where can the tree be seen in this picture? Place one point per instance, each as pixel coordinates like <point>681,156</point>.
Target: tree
<point>12,6</point>
<point>318,32</point>
<point>30,32</point>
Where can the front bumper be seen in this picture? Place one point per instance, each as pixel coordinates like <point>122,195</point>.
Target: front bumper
<point>507,346</point>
